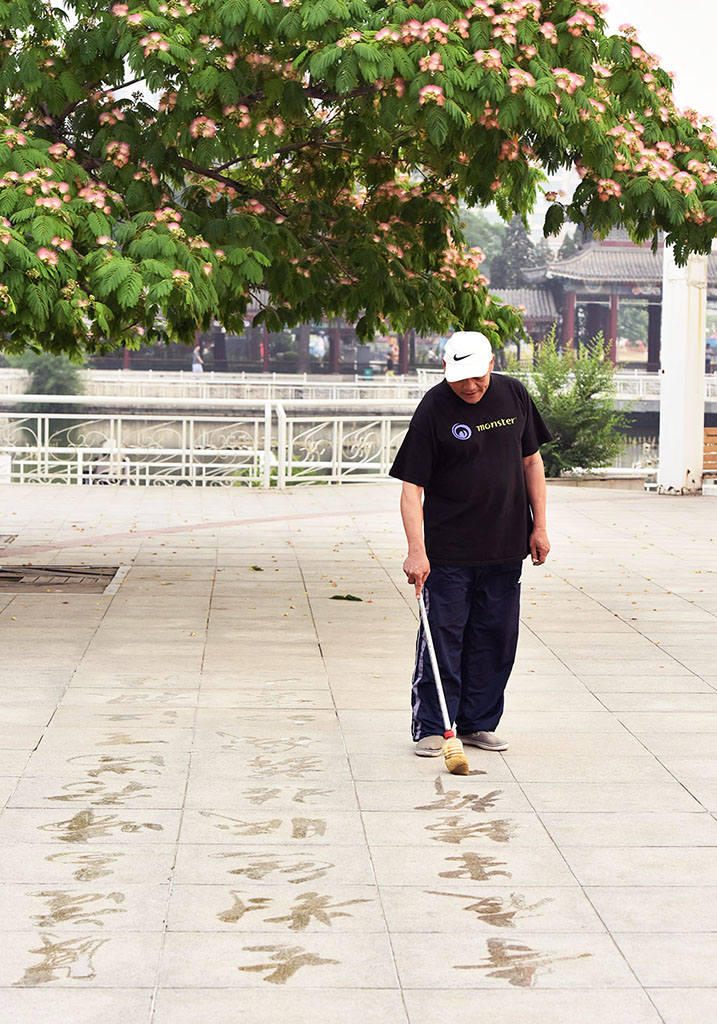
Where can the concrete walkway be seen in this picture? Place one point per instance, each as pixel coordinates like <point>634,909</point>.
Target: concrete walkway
<point>211,808</point>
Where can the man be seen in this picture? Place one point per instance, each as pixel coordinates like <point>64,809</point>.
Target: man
<point>473,507</point>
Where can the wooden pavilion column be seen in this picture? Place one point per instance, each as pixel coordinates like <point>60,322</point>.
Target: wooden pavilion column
<point>568,331</point>
<point>334,346</point>
<point>612,328</point>
<point>403,353</point>
<point>127,362</point>
<point>654,326</point>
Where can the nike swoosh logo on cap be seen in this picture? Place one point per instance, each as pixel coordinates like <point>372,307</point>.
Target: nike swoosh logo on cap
<point>467,356</point>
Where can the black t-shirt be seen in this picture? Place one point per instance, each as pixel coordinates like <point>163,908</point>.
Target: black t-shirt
<point>469,460</point>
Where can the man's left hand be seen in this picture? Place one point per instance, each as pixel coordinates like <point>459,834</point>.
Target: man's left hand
<point>539,545</point>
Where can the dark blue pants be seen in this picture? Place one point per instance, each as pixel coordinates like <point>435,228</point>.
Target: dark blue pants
<point>473,614</point>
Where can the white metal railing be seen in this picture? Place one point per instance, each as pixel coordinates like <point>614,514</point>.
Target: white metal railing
<point>217,444</point>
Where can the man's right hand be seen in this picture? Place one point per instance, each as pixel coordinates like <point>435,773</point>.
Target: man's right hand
<point>417,569</point>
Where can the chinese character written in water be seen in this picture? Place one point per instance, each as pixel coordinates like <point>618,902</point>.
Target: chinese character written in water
<point>310,906</point>
<point>455,800</point>
<point>452,830</point>
<point>476,867</point>
<point>76,908</point>
<point>85,827</point>
<point>107,764</point>
<point>284,962</point>
<point>517,964</point>
<point>71,958</point>
<point>495,910</point>
<point>258,866</point>
<point>289,767</point>
<point>90,866</point>
<point>239,908</point>
<point>96,791</point>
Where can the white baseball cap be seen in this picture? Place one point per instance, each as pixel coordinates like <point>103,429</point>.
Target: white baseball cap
<point>467,354</point>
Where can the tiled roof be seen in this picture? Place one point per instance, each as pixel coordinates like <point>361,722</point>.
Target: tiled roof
<point>616,263</point>
<point>538,302</point>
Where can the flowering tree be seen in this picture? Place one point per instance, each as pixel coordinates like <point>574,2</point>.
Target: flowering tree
<point>163,161</point>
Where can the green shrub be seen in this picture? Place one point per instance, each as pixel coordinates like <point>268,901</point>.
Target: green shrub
<point>575,394</point>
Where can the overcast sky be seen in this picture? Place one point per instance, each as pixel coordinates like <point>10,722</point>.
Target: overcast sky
<point>683,34</point>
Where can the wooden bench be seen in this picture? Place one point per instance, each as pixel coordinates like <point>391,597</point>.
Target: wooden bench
<point>709,466</point>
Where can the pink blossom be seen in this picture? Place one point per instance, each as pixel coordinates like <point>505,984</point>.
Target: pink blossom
<point>104,240</point>
<point>580,21</point>
<point>431,62</point>
<point>120,10</point>
<point>519,79</point>
<point>548,30</point>
<point>431,93</point>
<point>202,127</point>
<point>47,256</point>
<point>490,59</point>
<point>135,19</point>
<point>606,188</point>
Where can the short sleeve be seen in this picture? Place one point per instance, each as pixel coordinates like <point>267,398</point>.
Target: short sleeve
<point>535,431</point>
<point>415,458</point>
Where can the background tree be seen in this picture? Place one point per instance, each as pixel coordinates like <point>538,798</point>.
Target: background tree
<point>570,244</point>
<point>516,255</point>
<point>312,156</point>
<point>485,234</point>
<point>575,394</point>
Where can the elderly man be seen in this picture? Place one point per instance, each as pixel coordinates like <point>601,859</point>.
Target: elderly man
<point>473,507</point>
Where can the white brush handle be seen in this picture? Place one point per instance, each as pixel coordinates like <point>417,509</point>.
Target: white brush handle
<point>447,724</point>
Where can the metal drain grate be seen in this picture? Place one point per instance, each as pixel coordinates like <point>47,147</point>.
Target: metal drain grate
<point>57,579</point>
<point>7,538</point>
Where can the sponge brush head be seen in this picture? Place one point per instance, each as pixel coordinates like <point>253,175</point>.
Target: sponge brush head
<point>454,756</point>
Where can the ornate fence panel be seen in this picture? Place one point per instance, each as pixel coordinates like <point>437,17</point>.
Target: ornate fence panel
<point>136,449</point>
<point>337,449</point>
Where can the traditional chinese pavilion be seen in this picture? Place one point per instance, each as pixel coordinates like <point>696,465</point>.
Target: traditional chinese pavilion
<point>599,276</point>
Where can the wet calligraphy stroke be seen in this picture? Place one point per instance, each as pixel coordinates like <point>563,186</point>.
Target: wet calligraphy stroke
<point>258,866</point>
<point>476,867</point>
<point>76,908</point>
<point>495,910</point>
<point>454,830</point>
<point>517,964</point>
<point>85,826</point>
<point>455,800</point>
<point>284,962</point>
<point>71,958</point>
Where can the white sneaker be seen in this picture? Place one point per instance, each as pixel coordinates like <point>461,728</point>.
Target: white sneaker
<point>484,740</point>
<point>429,746</point>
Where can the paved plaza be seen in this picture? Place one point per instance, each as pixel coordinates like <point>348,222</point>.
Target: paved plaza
<point>211,809</point>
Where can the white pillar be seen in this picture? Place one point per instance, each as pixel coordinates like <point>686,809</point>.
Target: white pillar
<point>682,374</point>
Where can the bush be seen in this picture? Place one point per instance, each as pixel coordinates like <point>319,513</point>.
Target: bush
<point>48,375</point>
<point>575,395</point>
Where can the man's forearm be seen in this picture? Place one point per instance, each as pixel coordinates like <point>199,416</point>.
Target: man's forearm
<point>535,486</point>
<point>412,516</point>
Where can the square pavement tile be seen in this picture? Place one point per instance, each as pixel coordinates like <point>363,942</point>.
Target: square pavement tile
<point>498,864</point>
<point>79,957</point>
<point>475,908</point>
<point>248,960</point>
<point>272,1005</point>
<point>238,864</point>
<point>88,827</point>
<point>259,826</point>
<point>50,1005</point>
<point>275,909</point>
<point>678,960</point>
<point>685,1006</point>
<point>632,866</point>
<point>580,961</point>
<point>529,1005</point>
<point>103,906</point>
<point>657,908</point>
<point>618,796</point>
<point>454,828</point>
<point>640,829</point>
